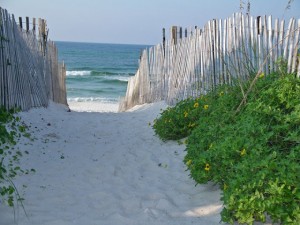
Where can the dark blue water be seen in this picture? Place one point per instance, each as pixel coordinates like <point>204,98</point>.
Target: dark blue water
<point>98,72</point>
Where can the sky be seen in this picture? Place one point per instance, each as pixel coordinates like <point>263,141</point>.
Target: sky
<point>134,21</point>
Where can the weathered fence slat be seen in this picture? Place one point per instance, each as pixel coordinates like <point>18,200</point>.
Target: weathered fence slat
<point>30,75</point>
<point>295,57</point>
<point>222,52</point>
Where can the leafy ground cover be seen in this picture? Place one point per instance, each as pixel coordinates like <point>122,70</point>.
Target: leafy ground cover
<point>253,154</point>
<point>11,130</point>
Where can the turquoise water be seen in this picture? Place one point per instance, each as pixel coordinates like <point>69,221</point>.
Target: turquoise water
<point>98,72</point>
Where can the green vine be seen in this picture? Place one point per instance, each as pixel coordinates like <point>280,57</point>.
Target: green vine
<point>11,130</point>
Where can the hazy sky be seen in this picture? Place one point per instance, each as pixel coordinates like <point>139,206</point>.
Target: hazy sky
<point>133,21</point>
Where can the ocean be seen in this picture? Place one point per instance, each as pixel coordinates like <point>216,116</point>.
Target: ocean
<point>98,72</point>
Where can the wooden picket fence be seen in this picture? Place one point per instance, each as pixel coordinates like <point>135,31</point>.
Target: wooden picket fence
<point>30,74</point>
<point>224,51</point>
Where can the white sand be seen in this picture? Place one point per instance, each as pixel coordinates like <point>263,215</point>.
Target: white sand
<point>106,169</point>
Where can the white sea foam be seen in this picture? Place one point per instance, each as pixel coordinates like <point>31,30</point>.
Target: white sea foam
<point>120,78</point>
<point>78,73</point>
<point>87,72</point>
<point>93,104</point>
<point>93,107</point>
<point>92,99</point>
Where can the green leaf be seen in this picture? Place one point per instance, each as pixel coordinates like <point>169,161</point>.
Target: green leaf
<point>10,202</point>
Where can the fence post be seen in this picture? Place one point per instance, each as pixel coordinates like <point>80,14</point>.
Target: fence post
<point>20,22</point>
<point>164,40</point>
<point>174,34</point>
<point>180,32</point>
<point>34,25</point>
<point>42,35</point>
<point>258,25</point>
<point>27,23</point>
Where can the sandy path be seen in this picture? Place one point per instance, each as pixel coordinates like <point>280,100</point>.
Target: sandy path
<point>106,168</point>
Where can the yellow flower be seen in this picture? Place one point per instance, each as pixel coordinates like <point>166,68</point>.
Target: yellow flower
<point>186,114</point>
<point>205,107</point>
<point>221,93</point>
<point>261,75</point>
<point>196,105</point>
<point>243,152</point>
<point>188,163</point>
<point>207,167</point>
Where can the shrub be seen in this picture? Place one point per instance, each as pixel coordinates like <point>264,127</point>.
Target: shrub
<point>254,155</point>
<point>178,122</point>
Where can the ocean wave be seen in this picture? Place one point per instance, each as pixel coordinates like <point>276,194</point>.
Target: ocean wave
<point>116,78</point>
<point>122,78</point>
<point>103,73</point>
<point>93,99</point>
<point>100,75</point>
<point>78,73</point>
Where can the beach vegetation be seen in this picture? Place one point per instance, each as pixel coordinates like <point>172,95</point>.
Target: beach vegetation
<point>252,153</point>
<point>179,121</point>
<point>11,130</point>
